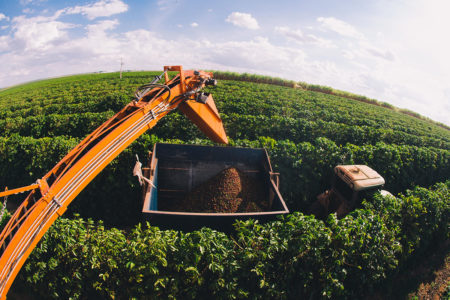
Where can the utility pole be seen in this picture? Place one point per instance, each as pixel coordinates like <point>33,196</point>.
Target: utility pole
<point>121,65</point>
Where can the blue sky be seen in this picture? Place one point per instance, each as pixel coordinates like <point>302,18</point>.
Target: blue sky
<point>393,51</point>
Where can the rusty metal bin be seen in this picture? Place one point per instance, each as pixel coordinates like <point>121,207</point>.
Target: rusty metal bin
<point>177,169</point>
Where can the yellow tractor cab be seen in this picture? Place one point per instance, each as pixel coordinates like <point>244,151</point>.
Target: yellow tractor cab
<point>350,185</point>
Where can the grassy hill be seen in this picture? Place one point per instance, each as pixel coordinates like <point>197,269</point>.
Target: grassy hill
<point>306,132</point>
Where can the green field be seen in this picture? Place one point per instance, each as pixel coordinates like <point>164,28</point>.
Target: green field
<point>306,132</point>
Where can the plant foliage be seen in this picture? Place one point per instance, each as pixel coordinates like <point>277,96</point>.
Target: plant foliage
<point>306,129</point>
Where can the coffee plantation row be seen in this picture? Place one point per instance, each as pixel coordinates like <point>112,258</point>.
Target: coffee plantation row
<point>305,168</point>
<point>174,126</point>
<point>318,88</point>
<point>98,93</point>
<point>296,256</point>
<point>306,134</point>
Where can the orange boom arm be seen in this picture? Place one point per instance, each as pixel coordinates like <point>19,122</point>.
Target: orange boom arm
<point>51,195</point>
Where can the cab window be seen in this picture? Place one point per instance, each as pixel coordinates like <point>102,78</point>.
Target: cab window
<point>343,188</point>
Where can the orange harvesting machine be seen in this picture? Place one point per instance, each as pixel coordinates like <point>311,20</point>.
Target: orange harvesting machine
<point>49,196</point>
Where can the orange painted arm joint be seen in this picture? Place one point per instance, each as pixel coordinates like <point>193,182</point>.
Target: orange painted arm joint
<point>19,190</point>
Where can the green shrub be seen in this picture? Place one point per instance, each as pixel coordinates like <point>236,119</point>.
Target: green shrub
<point>306,169</point>
<point>306,134</point>
<point>5,217</point>
<point>296,256</point>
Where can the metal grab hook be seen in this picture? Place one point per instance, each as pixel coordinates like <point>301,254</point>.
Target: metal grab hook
<point>137,171</point>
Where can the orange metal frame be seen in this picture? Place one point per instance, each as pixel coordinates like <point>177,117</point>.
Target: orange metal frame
<point>51,195</point>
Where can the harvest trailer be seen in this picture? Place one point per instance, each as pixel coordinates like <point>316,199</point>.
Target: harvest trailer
<point>175,171</point>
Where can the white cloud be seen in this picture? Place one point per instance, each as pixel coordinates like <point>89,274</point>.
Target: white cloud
<point>366,52</point>
<point>340,27</point>
<point>3,17</point>
<point>98,40</point>
<point>38,32</point>
<point>194,24</point>
<point>290,33</point>
<point>359,49</point>
<point>243,20</point>
<point>256,54</point>
<point>407,87</point>
<point>298,36</point>
<point>167,4</point>
<point>103,8</point>
<point>4,42</point>
<point>28,10</point>
<point>101,49</point>
<point>101,27</point>
<point>26,2</point>
<point>384,54</point>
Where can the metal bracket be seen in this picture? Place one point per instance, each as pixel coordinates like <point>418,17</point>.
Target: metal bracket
<point>137,171</point>
<point>59,204</point>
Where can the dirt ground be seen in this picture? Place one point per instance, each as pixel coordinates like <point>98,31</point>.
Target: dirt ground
<point>428,278</point>
<point>439,288</point>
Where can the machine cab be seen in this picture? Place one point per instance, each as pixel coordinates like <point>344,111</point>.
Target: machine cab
<point>350,185</point>
<point>354,183</point>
